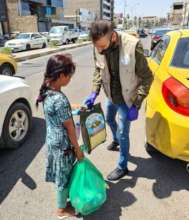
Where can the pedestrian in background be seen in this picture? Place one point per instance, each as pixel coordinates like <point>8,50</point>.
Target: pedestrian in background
<point>61,138</point>
<point>122,70</point>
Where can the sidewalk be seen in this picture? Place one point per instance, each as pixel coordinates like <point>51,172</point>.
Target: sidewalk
<point>26,55</point>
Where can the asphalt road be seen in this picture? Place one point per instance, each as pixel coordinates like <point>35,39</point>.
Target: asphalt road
<point>157,187</point>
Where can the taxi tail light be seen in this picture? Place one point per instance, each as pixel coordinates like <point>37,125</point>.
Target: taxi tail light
<point>176,95</point>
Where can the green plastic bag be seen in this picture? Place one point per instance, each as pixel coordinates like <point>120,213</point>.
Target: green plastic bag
<point>87,190</point>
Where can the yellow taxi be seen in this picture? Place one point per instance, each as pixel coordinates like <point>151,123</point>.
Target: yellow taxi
<point>8,65</point>
<point>167,108</point>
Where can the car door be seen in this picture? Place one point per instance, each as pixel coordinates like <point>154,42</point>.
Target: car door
<point>34,41</point>
<point>40,40</point>
<point>67,35</point>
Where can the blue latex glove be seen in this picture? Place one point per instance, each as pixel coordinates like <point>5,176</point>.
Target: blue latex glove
<point>89,102</point>
<point>132,113</point>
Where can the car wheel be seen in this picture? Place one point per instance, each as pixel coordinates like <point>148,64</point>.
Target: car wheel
<point>149,148</point>
<point>67,41</point>
<point>187,167</point>
<point>7,69</point>
<point>17,125</point>
<point>28,47</point>
<point>44,45</point>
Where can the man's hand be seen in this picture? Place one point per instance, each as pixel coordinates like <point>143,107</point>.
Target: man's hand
<point>89,102</point>
<point>132,114</point>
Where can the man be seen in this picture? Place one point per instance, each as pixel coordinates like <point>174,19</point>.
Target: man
<point>122,70</point>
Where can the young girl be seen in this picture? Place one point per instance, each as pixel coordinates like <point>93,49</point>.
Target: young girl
<point>61,137</point>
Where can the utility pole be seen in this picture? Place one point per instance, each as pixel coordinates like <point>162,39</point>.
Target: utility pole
<point>187,22</point>
<point>125,6</point>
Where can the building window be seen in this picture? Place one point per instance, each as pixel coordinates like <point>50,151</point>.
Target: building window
<point>50,11</point>
<point>178,7</point>
<point>57,3</point>
<point>25,8</point>
<point>2,10</point>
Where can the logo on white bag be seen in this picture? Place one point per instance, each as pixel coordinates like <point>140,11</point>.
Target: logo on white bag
<point>95,123</point>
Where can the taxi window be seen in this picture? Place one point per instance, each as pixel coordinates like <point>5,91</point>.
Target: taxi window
<point>160,49</point>
<point>181,55</point>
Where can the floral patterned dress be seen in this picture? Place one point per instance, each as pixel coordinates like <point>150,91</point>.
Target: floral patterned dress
<point>60,157</point>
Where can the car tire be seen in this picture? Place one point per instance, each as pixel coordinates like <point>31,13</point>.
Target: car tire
<point>67,41</point>
<point>17,125</point>
<point>28,47</point>
<point>187,167</point>
<point>7,69</point>
<point>149,148</point>
<point>44,45</point>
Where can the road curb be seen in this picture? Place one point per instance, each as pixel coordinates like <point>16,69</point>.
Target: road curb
<point>32,56</point>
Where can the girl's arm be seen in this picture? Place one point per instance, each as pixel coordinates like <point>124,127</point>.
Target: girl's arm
<point>69,125</point>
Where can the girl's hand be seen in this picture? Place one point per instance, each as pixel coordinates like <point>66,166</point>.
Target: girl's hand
<point>79,154</point>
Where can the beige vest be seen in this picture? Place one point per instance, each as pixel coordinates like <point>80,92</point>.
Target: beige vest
<point>129,80</point>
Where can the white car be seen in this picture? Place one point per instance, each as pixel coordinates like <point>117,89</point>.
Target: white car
<point>15,111</point>
<point>26,41</point>
<point>83,35</point>
<point>60,35</point>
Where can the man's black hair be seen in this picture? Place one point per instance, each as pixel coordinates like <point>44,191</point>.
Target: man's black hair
<point>99,29</point>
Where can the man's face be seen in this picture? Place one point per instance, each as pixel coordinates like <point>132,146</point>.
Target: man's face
<point>103,43</point>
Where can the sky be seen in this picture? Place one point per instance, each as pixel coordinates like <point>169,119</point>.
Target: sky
<point>144,7</point>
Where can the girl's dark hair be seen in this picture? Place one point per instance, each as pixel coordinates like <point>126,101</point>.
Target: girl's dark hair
<point>57,65</point>
<point>100,28</point>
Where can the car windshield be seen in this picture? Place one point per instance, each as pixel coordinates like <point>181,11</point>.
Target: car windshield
<point>56,31</point>
<point>23,36</point>
<point>181,55</point>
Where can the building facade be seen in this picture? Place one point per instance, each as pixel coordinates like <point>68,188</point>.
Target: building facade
<point>186,13</point>
<point>75,11</point>
<point>150,21</point>
<point>107,9</point>
<point>3,18</point>
<point>179,13</point>
<point>34,15</point>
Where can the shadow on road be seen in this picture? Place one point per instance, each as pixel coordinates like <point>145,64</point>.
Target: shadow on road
<point>118,197</point>
<point>169,175</point>
<point>13,163</point>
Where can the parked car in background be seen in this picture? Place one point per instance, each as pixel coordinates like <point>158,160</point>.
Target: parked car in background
<point>2,41</point>
<point>186,27</point>
<point>14,34</point>
<point>16,112</point>
<point>26,41</point>
<point>157,34</point>
<point>45,35</point>
<point>167,109</point>
<point>8,65</point>
<point>141,32</point>
<point>60,35</point>
<point>74,34</point>
<point>83,35</point>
